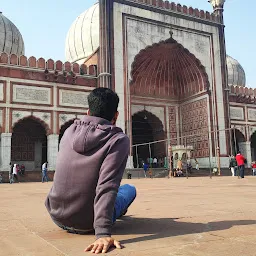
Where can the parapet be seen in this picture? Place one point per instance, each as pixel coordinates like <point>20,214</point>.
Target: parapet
<point>183,9</point>
<point>243,94</point>
<point>49,65</point>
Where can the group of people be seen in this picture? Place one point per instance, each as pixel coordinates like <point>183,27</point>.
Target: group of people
<point>154,162</point>
<point>181,166</point>
<point>237,165</point>
<point>15,170</point>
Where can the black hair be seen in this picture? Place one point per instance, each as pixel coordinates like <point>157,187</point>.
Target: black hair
<point>103,103</point>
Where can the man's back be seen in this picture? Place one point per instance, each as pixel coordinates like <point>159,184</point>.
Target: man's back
<point>90,164</point>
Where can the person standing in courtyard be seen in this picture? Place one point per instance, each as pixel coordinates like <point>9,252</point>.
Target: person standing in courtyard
<point>86,194</point>
<point>197,164</point>
<point>254,168</point>
<point>155,162</point>
<point>44,172</point>
<point>15,173</point>
<point>240,159</point>
<point>233,165</point>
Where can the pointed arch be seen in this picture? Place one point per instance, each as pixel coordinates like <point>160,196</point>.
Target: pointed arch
<point>167,70</point>
<point>29,142</point>
<point>31,117</point>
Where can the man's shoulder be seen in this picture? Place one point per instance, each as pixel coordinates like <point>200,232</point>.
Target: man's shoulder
<point>120,137</point>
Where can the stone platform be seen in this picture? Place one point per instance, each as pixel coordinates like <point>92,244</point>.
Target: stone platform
<point>174,217</point>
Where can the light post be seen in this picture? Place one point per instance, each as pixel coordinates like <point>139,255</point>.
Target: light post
<point>218,157</point>
<point>170,161</point>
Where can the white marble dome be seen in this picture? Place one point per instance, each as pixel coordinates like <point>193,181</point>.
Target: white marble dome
<point>11,40</point>
<point>236,74</point>
<point>83,36</point>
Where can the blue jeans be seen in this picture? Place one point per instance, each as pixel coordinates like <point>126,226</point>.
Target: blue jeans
<point>241,169</point>
<point>44,176</point>
<point>125,196</point>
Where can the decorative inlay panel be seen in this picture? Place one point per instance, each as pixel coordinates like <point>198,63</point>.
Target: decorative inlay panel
<point>31,94</point>
<point>73,98</point>
<point>195,127</point>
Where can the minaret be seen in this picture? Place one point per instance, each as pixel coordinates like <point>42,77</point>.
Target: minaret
<point>218,9</point>
<point>105,47</point>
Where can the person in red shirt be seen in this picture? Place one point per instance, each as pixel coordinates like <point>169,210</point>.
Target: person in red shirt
<point>253,168</point>
<point>240,159</point>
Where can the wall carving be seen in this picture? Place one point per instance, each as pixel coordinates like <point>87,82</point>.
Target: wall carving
<point>31,94</point>
<point>172,125</point>
<point>73,99</point>
<point>194,117</point>
<point>236,113</point>
<point>252,114</point>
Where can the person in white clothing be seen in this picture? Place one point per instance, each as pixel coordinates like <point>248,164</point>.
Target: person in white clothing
<point>15,172</point>
<point>155,162</point>
<point>44,172</point>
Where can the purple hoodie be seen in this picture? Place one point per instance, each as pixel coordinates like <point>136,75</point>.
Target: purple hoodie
<point>90,165</point>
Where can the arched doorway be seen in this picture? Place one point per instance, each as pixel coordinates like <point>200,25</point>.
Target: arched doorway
<point>64,127</point>
<point>167,70</point>
<point>29,144</point>
<point>238,139</point>
<point>168,74</point>
<point>146,128</point>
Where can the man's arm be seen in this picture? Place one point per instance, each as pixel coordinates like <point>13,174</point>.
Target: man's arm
<point>110,176</point>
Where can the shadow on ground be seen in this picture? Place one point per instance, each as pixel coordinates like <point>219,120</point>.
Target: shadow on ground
<point>168,227</point>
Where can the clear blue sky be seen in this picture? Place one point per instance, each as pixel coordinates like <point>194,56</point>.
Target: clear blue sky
<point>45,23</point>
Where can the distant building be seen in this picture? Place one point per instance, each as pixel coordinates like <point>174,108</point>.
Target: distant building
<point>168,64</point>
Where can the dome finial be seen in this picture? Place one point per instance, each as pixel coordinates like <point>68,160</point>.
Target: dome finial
<point>217,4</point>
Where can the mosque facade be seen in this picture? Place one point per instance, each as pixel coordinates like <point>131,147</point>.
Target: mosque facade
<point>166,61</point>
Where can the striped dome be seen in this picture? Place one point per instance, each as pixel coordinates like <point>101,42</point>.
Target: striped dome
<point>11,40</point>
<point>83,36</point>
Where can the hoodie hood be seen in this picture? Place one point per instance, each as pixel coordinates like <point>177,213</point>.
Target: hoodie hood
<point>91,133</point>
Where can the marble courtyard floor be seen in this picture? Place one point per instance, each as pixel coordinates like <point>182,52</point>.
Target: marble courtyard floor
<point>175,217</point>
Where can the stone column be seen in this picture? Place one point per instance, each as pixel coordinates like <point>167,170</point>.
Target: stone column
<point>52,150</point>
<point>105,48</point>
<point>6,143</point>
<point>245,148</point>
<point>129,164</point>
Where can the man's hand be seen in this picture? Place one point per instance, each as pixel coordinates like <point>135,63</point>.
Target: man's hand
<point>102,245</point>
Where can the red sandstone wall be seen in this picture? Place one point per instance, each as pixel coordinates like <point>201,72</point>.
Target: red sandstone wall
<point>51,71</point>
<point>194,119</point>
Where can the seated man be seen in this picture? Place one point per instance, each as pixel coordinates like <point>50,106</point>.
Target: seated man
<point>92,157</point>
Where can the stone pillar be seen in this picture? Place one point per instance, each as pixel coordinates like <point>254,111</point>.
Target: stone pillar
<point>245,148</point>
<point>52,150</point>
<point>129,164</point>
<point>6,143</point>
<point>105,48</point>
